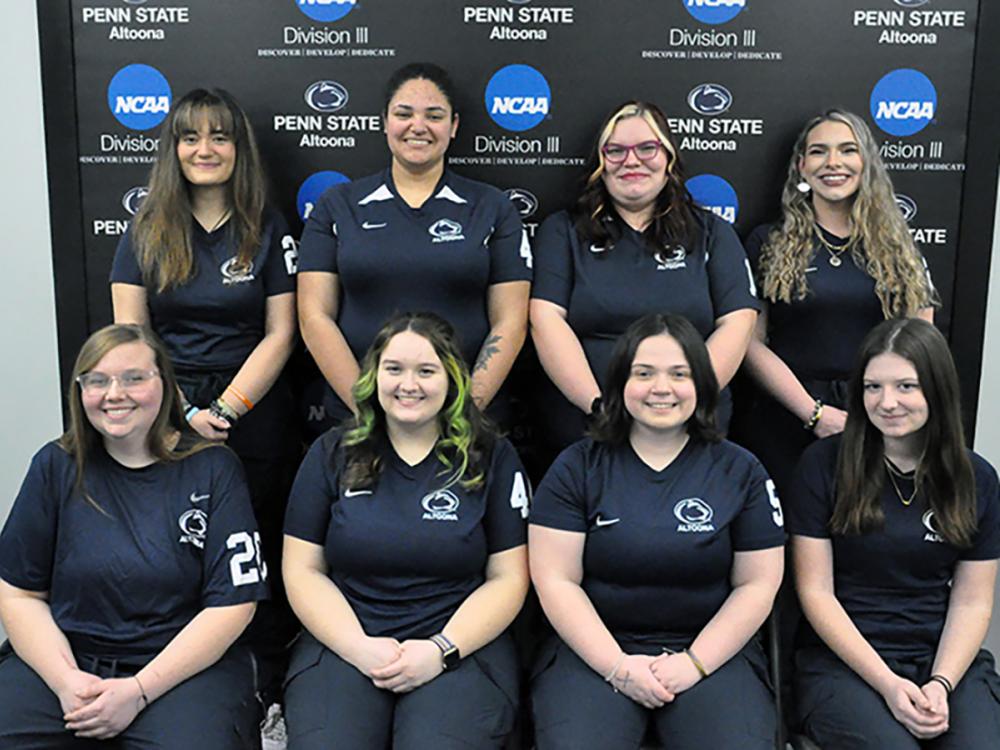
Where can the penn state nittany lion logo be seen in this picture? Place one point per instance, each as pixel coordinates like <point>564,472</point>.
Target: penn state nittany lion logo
<point>932,535</point>
<point>670,261</point>
<point>233,273</point>
<point>194,524</point>
<point>440,505</point>
<point>694,514</point>
<point>446,230</point>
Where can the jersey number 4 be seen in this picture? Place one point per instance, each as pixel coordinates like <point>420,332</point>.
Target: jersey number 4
<point>255,569</point>
<point>519,495</point>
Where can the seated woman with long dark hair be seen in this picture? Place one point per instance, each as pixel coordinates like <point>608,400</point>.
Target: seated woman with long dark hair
<point>130,563</point>
<point>896,535</point>
<point>405,559</point>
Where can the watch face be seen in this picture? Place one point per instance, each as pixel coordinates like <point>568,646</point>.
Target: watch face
<point>451,658</point>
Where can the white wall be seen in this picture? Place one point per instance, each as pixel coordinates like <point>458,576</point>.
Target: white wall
<point>29,376</point>
<point>988,418</point>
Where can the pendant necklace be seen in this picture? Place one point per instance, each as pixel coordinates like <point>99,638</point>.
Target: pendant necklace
<point>835,251</point>
<point>893,473</point>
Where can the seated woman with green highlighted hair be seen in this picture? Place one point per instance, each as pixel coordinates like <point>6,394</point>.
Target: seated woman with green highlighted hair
<point>405,559</point>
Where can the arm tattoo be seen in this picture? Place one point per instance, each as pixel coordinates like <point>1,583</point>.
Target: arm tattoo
<point>490,347</point>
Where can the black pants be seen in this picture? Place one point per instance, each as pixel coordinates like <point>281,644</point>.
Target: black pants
<point>840,711</point>
<point>330,704</point>
<point>216,708</point>
<point>575,709</point>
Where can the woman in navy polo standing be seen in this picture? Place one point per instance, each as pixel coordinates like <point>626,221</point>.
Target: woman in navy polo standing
<point>633,243</point>
<point>211,269</point>
<point>415,236</point>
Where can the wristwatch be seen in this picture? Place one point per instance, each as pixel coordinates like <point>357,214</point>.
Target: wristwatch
<point>450,657</point>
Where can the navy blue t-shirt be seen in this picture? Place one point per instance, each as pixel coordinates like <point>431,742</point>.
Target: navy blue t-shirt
<point>819,336</point>
<point>604,290</point>
<point>893,583</point>
<point>659,548</point>
<point>407,552</point>
<point>441,257</point>
<point>216,319</point>
<point>170,539</point>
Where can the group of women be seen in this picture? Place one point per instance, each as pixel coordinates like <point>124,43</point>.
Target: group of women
<point>136,554</point>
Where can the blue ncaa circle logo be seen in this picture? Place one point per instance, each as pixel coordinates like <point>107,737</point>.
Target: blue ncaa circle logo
<point>326,96</point>
<point>139,96</point>
<point>911,3</point>
<point>325,10</point>
<point>313,187</point>
<point>714,11</point>
<point>710,99</point>
<point>903,102</point>
<point>518,97</point>
<point>715,194</point>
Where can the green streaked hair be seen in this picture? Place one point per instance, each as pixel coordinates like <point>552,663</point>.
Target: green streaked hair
<point>466,436</point>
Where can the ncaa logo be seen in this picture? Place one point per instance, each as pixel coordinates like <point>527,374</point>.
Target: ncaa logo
<point>907,206</point>
<point>440,505</point>
<point>139,96</point>
<point>714,11</point>
<point>903,102</point>
<point>133,199</point>
<point>313,187</point>
<point>326,96</point>
<point>325,10</point>
<point>518,97</point>
<point>710,99</point>
<point>715,194</point>
<point>134,2</point>
<point>911,3</point>
<point>524,201</point>
<point>446,230</point>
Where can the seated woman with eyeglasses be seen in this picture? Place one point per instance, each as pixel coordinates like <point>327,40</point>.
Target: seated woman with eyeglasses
<point>130,563</point>
<point>656,549</point>
<point>895,539</point>
<point>633,243</point>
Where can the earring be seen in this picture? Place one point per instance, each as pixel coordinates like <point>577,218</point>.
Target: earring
<point>803,187</point>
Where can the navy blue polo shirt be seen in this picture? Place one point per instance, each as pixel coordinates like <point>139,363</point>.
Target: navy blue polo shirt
<point>390,258</point>
<point>605,289</point>
<point>408,551</point>
<point>893,583</point>
<point>169,540</point>
<point>819,336</point>
<point>659,544</point>
<point>216,319</point>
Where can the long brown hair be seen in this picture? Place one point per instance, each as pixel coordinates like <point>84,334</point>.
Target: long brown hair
<point>594,214</point>
<point>466,437</point>
<point>82,439</point>
<point>161,231</point>
<point>944,477</point>
<point>880,240</point>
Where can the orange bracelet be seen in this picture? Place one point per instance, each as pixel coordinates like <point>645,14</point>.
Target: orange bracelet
<point>236,392</point>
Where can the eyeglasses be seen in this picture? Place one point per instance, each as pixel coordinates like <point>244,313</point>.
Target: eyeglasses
<point>98,382</point>
<point>616,153</point>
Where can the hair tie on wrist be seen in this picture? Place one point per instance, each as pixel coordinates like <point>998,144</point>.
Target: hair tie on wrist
<point>944,682</point>
<point>142,691</point>
<point>239,395</point>
<point>614,671</point>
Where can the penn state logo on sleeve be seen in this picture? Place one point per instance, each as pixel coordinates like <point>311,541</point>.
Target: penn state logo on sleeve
<point>233,273</point>
<point>446,230</point>
<point>933,533</point>
<point>440,505</point>
<point>695,516</point>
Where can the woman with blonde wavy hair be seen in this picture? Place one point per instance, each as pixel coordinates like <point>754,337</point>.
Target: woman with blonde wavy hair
<point>405,559</point>
<point>839,261</point>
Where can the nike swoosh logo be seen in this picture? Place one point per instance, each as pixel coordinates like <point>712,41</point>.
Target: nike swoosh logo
<point>595,249</point>
<point>355,493</point>
<point>605,521</point>
<point>196,498</point>
<point>811,269</point>
<point>369,225</point>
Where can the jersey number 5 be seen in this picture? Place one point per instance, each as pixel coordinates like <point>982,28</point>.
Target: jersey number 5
<point>778,517</point>
<point>249,555</point>
<point>519,494</point>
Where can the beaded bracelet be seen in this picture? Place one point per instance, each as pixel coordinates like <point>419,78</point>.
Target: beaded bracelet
<point>816,415</point>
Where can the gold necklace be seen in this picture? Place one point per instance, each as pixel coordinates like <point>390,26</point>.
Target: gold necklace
<point>834,251</point>
<point>893,473</point>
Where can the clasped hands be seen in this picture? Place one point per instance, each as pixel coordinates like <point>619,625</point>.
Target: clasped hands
<point>922,710</point>
<point>399,667</point>
<point>654,681</point>
<point>96,708</point>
